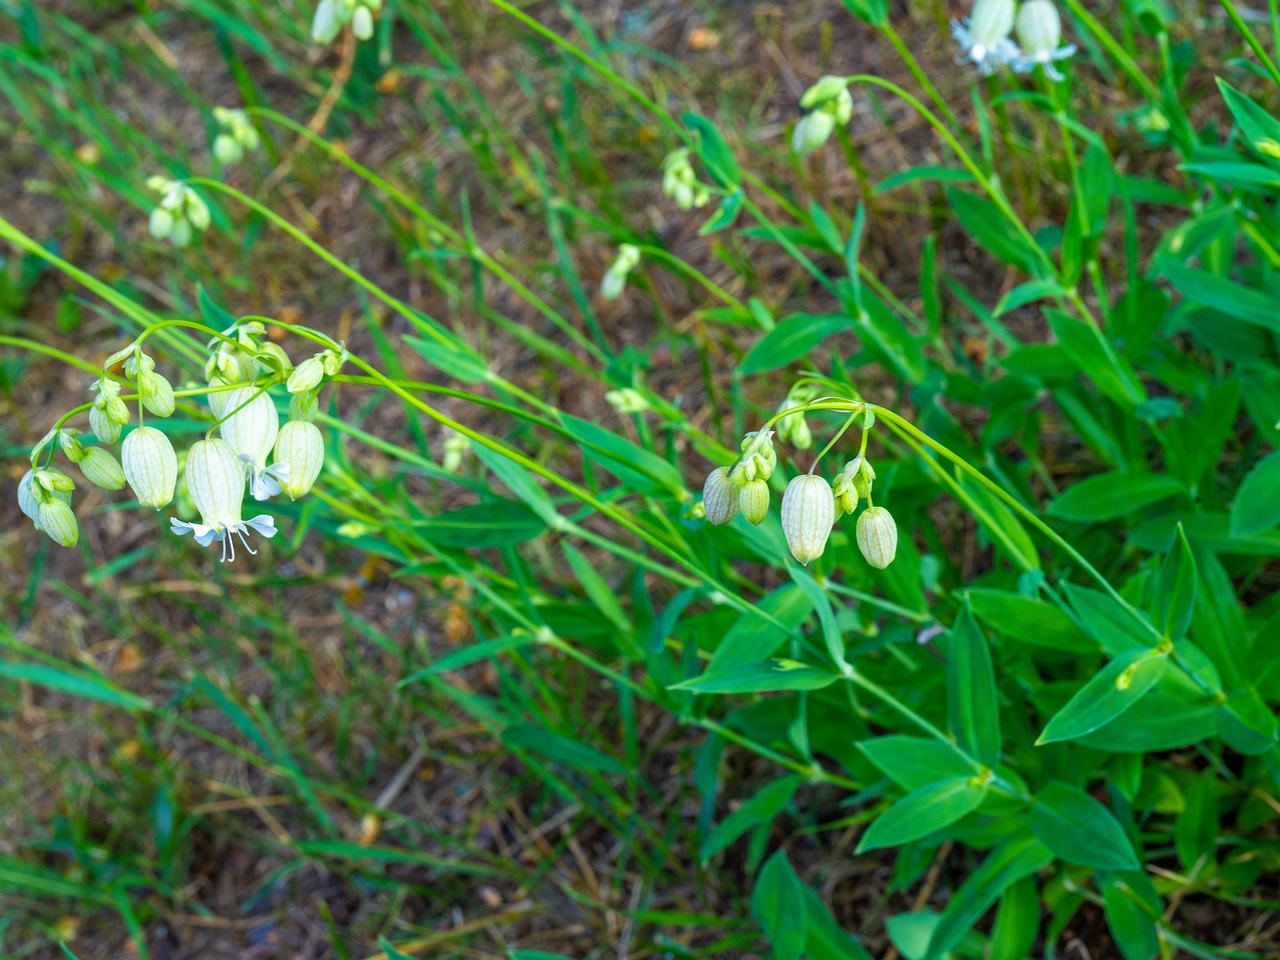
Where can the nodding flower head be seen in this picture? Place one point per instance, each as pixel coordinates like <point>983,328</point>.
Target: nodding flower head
<point>237,136</point>
<point>181,210</point>
<point>250,429</point>
<point>299,448</point>
<point>615,278</point>
<point>215,481</point>
<point>808,513</point>
<point>758,458</point>
<point>793,428</point>
<point>832,106</point>
<point>877,536</point>
<point>155,390</point>
<point>680,182</point>
<point>984,36</point>
<point>720,497</point>
<point>37,486</point>
<point>1039,30</point>
<point>853,484</point>
<point>150,466</point>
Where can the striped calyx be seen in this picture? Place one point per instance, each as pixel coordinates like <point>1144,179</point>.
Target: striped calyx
<point>877,536</point>
<point>301,447</point>
<point>808,511</point>
<point>150,466</point>
<point>720,497</point>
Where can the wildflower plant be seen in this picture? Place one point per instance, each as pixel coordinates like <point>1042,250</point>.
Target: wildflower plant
<point>893,593</point>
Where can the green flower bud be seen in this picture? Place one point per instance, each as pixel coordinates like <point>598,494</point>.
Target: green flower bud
<point>362,23</point>
<point>812,131</point>
<point>877,537</point>
<point>720,497</point>
<point>180,233</point>
<point>307,375</point>
<point>251,424</point>
<point>754,500</point>
<point>197,209</point>
<point>455,445</point>
<point>31,494</point>
<point>226,150</point>
<point>70,445</point>
<point>275,351</point>
<point>59,521</point>
<point>160,223</point>
<point>53,480</point>
<point>303,406</point>
<point>101,469</point>
<point>300,445</point>
<point>627,400</point>
<point>808,513</point>
<point>157,394</point>
<point>150,466</point>
<point>615,278</point>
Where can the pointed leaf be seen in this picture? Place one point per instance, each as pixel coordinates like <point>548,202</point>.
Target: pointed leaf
<point>924,811</point>
<point>1112,691</point>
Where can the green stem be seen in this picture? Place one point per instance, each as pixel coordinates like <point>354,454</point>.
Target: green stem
<point>1251,40</point>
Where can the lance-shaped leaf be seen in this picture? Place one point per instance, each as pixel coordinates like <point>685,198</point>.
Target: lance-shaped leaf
<point>925,811</point>
<point>1112,691</point>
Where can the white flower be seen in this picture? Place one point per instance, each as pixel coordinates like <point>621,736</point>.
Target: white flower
<point>832,105</point>
<point>1039,30</point>
<point>627,400</point>
<point>985,35</point>
<point>150,466</point>
<point>250,429</point>
<point>31,494</point>
<point>300,448</point>
<point>615,278</point>
<point>720,497</point>
<point>326,24</point>
<point>108,413</point>
<point>215,480</point>
<point>681,183</point>
<point>808,513</point>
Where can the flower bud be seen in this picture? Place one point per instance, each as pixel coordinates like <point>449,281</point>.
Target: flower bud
<point>197,209</point>
<point>300,445</point>
<point>108,413</point>
<point>101,469</point>
<point>758,457</point>
<point>754,500</point>
<point>156,393</point>
<point>362,23</point>
<point>160,223</point>
<point>307,375</point>
<point>627,400</point>
<point>615,278</point>
<point>1039,27</point>
<point>227,150</point>
<point>180,233</point>
<point>71,446</point>
<point>333,361</point>
<point>877,536</point>
<point>54,480</point>
<point>808,512</point>
<point>325,25</point>
<point>59,521</point>
<point>720,497</point>
<point>276,351</point>
<point>150,466</point>
<point>28,502</point>
<point>251,423</point>
<point>812,131</point>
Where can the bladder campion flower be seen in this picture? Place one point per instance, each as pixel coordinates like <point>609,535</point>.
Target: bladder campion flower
<point>984,36</point>
<point>877,536</point>
<point>108,413</point>
<point>615,278</point>
<point>1039,30</point>
<point>181,211</point>
<point>250,429</point>
<point>720,497</point>
<point>300,448</point>
<point>753,498</point>
<point>215,481</point>
<point>237,136</point>
<point>680,183</point>
<point>832,105</point>
<point>808,512</point>
<point>150,466</point>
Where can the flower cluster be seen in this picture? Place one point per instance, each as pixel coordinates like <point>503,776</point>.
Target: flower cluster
<point>332,15</point>
<point>237,135</point>
<point>251,447</point>
<point>831,105</point>
<point>180,213</point>
<point>810,506</point>
<point>985,40</point>
<point>681,183</point>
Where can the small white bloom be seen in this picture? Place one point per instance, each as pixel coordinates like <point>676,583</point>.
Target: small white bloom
<point>1039,30</point>
<point>300,448</point>
<point>680,182</point>
<point>150,466</point>
<point>250,429</point>
<point>720,497</point>
<point>215,481</point>
<point>615,278</point>
<point>325,25</point>
<point>362,23</point>
<point>984,36</point>
<point>627,400</point>
<point>808,513</point>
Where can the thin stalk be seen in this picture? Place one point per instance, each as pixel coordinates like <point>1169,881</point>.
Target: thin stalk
<point>1252,40</point>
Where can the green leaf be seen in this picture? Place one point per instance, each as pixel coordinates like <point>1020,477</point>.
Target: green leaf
<point>1028,292</point>
<point>724,215</point>
<point>1029,620</point>
<point>778,905</point>
<point>915,762</point>
<point>74,682</point>
<point>635,466</point>
<point>494,523</point>
<point>874,12</point>
<point>1234,172</point>
<point>355,851</point>
<point>1017,923</point>
<point>1256,507</point>
<point>1132,927</point>
<point>826,616</point>
<point>520,482</point>
<point>455,659</point>
<point>1112,691</point>
<point>761,808</point>
<point>1174,713</point>
<point>715,153</point>
<point>986,224</point>
<point>599,592</point>
<point>1109,496</point>
<point>571,753</point>
<point>1080,830</point>
<point>1246,723</point>
<point>761,678</point>
<point>453,361</point>
<point>1107,621</point>
<point>926,172</point>
<point>1195,832</point>
<point>792,339</point>
<point>752,638</point>
<point>1255,122</point>
<point>924,811</point>
<point>1094,356</point>
<point>1176,589</point>
<point>972,705</point>
<point>824,939</point>
<point>1243,303</point>
<point>1007,864</point>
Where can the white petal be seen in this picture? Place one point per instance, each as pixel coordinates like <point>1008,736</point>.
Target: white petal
<point>264,523</point>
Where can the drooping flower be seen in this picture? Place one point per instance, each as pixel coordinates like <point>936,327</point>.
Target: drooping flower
<point>32,492</point>
<point>250,429</point>
<point>155,391</point>
<point>300,448</point>
<point>237,136</point>
<point>615,278</point>
<point>832,105</point>
<point>808,513</point>
<point>984,36</point>
<point>215,481</point>
<point>877,537</point>
<point>150,466</point>
<point>753,498</point>
<point>1039,30</point>
<point>108,413</point>
<point>680,182</point>
<point>720,497</point>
